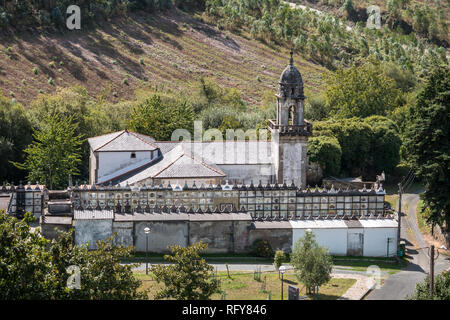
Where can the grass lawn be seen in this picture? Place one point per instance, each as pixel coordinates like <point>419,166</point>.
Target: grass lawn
<point>390,266</point>
<point>421,221</point>
<point>242,286</point>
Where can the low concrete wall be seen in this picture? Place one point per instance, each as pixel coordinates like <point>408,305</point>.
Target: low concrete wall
<point>221,236</point>
<point>279,239</point>
<point>90,231</point>
<point>217,234</point>
<point>124,233</point>
<point>162,235</point>
<point>49,231</point>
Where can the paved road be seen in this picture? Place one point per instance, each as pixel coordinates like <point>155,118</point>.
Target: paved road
<point>267,267</point>
<point>403,283</point>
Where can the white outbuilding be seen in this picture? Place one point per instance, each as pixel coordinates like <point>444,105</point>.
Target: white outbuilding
<point>372,237</point>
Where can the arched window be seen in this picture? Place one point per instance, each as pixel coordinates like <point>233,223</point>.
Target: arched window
<point>291,115</point>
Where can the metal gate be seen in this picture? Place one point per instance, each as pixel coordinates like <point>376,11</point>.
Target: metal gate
<point>355,243</point>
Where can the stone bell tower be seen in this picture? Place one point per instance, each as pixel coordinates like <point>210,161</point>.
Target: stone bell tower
<point>290,131</point>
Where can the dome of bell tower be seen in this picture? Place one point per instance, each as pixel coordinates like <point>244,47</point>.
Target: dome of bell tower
<point>291,82</point>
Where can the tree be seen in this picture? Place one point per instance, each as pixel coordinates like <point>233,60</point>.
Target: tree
<point>15,135</point>
<point>54,154</point>
<point>354,137</point>
<point>278,259</point>
<point>32,267</point>
<point>312,264</point>
<point>361,91</point>
<point>91,117</point>
<point>158,118</point>
<point>189,277</point>
<point>426,143</point>
<point>103,277</point>
<point>25,265</point>
<point>384,145</point>
<point>441,288</point>
<point>327,152</point>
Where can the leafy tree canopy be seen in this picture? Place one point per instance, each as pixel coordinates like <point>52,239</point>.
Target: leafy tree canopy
<point>32,267</point>
<point>312,264</point>
<point>54,154</point>
<point>158,117</point>
<point>426,143</point>
<point>441,288</point>
<point>188,277</point>
<point>15,134</point>
<point>361,91</point>
<point>327,152</point>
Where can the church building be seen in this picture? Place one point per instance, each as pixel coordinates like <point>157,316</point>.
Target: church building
<point>126,157</point>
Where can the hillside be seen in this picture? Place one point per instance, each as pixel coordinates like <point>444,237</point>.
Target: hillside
<point>173,50</point>
<point>406,15</point>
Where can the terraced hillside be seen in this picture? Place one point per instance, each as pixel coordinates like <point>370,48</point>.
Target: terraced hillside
<point>172,50</point>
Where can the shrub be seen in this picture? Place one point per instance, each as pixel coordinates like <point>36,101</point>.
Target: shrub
<point>279,258</point>
<point>51,81</point>
<point>262,248</point>
<point>35,70</point>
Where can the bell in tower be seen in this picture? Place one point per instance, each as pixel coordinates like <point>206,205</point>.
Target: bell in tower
<point>290,131</point>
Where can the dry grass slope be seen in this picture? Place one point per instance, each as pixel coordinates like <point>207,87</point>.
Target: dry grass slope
<point>172,50</point>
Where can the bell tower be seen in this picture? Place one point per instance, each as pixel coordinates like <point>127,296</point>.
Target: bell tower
<point>290,131</point>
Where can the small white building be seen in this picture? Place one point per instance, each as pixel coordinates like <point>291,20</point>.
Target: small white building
<point>372,237</point>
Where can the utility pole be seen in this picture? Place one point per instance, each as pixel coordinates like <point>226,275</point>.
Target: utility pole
<point>400,191</point>
<point>431,271</point>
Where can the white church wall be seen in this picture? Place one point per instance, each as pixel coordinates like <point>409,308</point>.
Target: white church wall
<point>111,162</point>
<point>249,172</point>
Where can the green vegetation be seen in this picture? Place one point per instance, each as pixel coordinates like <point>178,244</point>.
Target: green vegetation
<point>261,248</point>
<point>158,118</point>
<point>421,17</point>
<point>361,92</point>
<point>15,135</point>
<point>312,264</point>
<point>28,13</point>
<point>242,286</point>
<point>367,145</point>
<point>32,267</point>
<point>441,288</point>
<point>54,154</point>
<point>278,259</point>
<point>324,38</point>
<point>422,214</point>
<point>427,146</point>
<point>188,277</point>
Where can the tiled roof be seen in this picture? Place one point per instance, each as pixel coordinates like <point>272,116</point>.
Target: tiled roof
<point>177,163</point>
<point>123,141</point>
<point>93,214</point>
<point>189,167</point>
